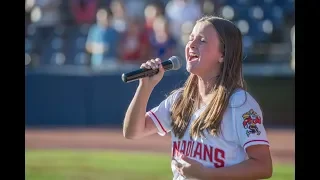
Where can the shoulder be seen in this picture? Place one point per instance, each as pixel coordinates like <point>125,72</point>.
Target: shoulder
<point>242,105</point>
<point>242,98</point>
<point>172,97</point>
<point>175,94</point>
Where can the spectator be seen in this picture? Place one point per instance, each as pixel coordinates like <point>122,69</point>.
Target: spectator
<point>162,42</point>
<point>134,44</point>
<point>151,12</point>
<point>119,16</point>
<point>102,41</point>
<point>46,17</point>
<point>181,11</point>
<point>83,11</point>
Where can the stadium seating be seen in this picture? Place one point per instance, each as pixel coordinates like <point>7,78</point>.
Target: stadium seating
<point>257,19</point>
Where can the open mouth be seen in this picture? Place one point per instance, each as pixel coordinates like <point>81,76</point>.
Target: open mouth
<point>193,57</point>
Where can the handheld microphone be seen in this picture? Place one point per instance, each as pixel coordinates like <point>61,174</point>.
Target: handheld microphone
<point>173,63</point>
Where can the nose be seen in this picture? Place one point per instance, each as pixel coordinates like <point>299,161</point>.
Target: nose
<point>192,44</point>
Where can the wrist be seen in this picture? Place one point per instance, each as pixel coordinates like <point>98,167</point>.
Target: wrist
<point>145,86</point>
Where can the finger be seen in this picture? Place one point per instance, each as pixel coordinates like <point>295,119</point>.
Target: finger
<point>179,169</point>
<point>158,61</point>
<point>180,172</point>
<point>161,69</point>
<point>149,63</point>
<point>154,64</point>
<point>146,66</point>
<point>143,65</point>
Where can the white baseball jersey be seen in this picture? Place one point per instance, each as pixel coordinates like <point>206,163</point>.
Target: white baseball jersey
<point>242,126</point>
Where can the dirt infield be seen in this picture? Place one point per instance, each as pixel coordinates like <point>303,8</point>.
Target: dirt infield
<point>281,141</point>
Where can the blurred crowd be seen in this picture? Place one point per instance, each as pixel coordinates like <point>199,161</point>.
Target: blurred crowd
<point>106,32</point>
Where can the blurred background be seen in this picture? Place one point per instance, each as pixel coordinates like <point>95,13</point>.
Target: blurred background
<point>100,32</point>
<point>76,51</point>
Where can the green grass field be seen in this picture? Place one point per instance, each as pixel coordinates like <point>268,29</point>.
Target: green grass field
<point>98,165</point>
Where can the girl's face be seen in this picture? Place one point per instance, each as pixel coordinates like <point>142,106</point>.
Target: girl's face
<point>202,52</point>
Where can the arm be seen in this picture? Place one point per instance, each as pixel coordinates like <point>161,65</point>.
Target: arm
<point>136,123</point>
<point>92,46</point>
<point>258,166</point>
<point>89,47</point>
<point>250,135</point>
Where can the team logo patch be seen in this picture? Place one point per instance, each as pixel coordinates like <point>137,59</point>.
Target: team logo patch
<point>250,121</point>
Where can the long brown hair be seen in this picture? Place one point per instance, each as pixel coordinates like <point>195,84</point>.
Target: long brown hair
<point>230,79</point>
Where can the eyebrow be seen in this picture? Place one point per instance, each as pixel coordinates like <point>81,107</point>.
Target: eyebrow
<point>201,35</point>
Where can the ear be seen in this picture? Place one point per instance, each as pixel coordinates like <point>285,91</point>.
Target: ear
<point>221,59</point>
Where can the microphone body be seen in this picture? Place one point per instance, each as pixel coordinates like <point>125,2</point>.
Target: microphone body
<point>173,63</point>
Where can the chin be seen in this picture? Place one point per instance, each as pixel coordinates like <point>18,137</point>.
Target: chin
<point>192,69</point>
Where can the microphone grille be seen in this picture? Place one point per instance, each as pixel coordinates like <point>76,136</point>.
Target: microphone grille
<point>176,62</point>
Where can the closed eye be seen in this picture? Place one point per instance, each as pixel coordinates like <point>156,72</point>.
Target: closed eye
<point>201,40</point>
<point>191,38</point>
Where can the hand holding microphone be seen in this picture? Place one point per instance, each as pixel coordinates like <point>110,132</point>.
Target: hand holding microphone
<point>155,75</point>
<point>152,71</point>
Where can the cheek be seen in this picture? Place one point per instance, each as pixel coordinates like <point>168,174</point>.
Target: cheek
<point>209,55</point>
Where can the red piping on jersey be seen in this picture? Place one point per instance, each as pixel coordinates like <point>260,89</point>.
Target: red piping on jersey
<point>158,122</point>
<point>254,141</point>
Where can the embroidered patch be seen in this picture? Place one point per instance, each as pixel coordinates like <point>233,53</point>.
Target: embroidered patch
<point>250,121</point>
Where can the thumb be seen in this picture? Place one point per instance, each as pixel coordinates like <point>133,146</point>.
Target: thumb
<point>161,69</point>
